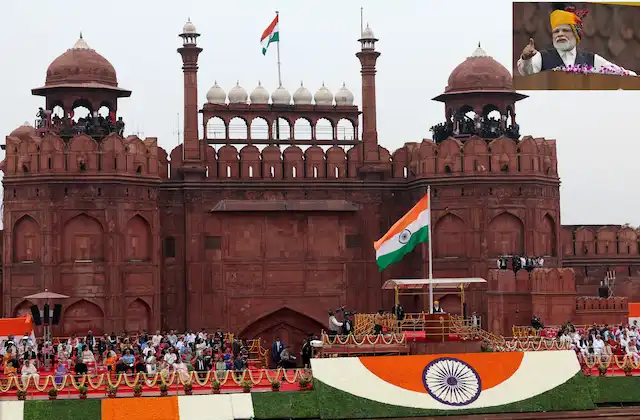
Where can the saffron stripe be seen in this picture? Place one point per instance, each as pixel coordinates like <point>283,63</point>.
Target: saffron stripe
<point>269,29</point>
<point>405,221</point>
<point>138,408</point>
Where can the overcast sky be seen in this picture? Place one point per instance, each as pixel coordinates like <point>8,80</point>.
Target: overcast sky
<point>421,43</point>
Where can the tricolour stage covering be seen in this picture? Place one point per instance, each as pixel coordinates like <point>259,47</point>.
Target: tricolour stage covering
<point>377,387</point>
<point>17,327</point>
<point>634,313</point>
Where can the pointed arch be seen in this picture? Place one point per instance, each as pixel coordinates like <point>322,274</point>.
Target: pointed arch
<point>81,317</point>
<point>547,235</point>
<point>288,324</point>
<point>83,239</point>
<point>505,233</point>
<point>138,316</point>
<point>138,240</point>
<point>449,236</point>
<point>23,308</point>
<point>26,240</point>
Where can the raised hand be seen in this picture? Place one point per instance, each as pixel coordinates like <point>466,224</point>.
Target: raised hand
<point>529,51</point>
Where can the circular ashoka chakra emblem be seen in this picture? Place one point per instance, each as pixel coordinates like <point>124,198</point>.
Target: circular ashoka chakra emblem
<point>451,381</point>
<point>405,235</point>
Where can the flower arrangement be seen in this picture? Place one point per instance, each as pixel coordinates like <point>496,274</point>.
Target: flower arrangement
<point>82,389</point>
<point>164,389</point>
<point>22,394</point>
<point>53,393</point>
<point>587,69</point>
<point>246,386</point>
<point>275,385</point>
<point>113,391</point>
<point>215,386</point>
<point>304,382</point>
<point>137,390</point>
<point>188,388</point>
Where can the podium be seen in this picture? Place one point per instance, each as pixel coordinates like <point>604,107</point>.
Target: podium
<point>560,80</point>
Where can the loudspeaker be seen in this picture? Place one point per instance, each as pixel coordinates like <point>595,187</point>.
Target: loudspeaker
<point>35,313</point>
<point>57,312</point>
<point>47,314</point>
<point>603,292</point>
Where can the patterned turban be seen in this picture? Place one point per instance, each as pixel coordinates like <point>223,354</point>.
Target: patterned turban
<point>572,17</point>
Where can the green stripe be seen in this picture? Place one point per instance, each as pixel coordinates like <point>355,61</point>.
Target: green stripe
<point>273,38</point>
<point>416,238</point>
<point>63,409</point>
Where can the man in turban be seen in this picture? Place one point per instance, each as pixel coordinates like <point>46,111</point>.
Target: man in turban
<point>567,32</point>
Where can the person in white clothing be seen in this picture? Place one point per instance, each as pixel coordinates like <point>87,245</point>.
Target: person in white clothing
<point>598,345</point>
<point>29,371</point>
<point>567,33</point>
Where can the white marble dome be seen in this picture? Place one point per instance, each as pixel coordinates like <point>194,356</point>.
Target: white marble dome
<point>237,95</point>
<point>368,33</point>
<point>281,96</point>
<point>344,97</point>
<point>189,28</point>
<point>259,95</point>
<point>323,96</point>
<point>216,95</point>
<point>302,96</point>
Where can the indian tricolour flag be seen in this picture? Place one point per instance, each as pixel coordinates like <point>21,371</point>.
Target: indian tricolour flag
<point>411,230</point>
<point>271,34</point>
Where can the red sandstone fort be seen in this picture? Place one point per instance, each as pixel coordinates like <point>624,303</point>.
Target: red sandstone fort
<point>268,222</point>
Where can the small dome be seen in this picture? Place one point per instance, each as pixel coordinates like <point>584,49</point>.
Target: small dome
<point>216,95</point>
<point>281,96</point>
<point>238,95</point>
<point>302,96</point>
<point>368,33</point>
<point>25,130</point>
<point>259,95</point>
<point>189,28</point>
<point>344,97</point>
<point>479,72</point>
<point>323,96</point>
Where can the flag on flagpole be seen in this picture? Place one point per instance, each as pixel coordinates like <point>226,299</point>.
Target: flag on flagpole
<point>412,229</point>
<point>271,34</point>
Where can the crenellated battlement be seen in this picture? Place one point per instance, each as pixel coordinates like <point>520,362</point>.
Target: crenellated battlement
<point>29,155</point>
<point>600,241</point>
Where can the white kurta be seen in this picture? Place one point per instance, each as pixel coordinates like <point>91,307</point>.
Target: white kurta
<point>534,64</point>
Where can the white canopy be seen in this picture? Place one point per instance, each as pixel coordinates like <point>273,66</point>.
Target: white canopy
<point>413,284</point>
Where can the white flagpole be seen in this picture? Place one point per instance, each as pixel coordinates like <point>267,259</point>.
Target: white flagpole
<point>430,253</point>
<point>278,50</point>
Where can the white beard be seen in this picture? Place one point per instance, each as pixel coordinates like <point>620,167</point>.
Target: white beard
<point>565,46</point>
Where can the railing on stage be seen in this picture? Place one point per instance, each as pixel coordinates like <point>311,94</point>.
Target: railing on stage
<point>548,331</point>
<point>421,325</point>
<point>361,345</point>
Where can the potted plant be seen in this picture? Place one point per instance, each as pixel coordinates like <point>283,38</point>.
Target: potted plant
<point>215,386</point>
<point>83,392</point>
<point>53,393</point>
<point>303,383</point>
<point>275,385</point>
<point>188,388</point>
<point>602,368</point>
<point>164,390</point>
<point>627,366</point>
<point>137,390</point>
<point>113,391</point>
<point>22,394</point>
<point>246,386</point>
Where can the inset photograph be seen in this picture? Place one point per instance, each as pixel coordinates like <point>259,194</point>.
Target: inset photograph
<point>576,46</point>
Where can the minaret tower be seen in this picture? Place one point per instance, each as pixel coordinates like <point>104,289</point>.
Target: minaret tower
<point>368,56</point>
<point>192,149</point>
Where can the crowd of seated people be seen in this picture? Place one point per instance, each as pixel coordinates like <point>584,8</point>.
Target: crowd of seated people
<point>603,341</point>
<point>92,124</point>
<point>126,354</point>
